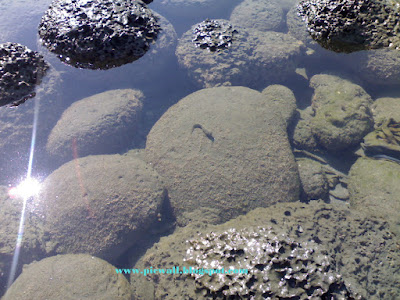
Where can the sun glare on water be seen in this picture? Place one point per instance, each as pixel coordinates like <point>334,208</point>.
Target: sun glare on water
<point>29,187</point>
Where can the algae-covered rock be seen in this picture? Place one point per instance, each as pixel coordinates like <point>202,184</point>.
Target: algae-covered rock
<point>78,276</point>
<point>302,133</point>
<point>313,179</point>
<point>220,148</point>
<point>342,112</point>
<point>374,189</point>
<point>384,109</point>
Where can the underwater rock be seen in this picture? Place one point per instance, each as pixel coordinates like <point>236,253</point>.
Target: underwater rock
<point>313,179</point>
<point>98,34</point>
<point>374,189</point>
<point>16,126</point>
<point>188,12</point>
<point>384,109</point>
<point>277,265</point>
<point>104,123</point>
<point>263,15</point>
<point>219,148</point>
<point>21,69</point>
<point>347,26</point>
<point>72,276</point>
<point>384,140</point>
<point>342,112</point>
<point>100,205</point>
<point>254,59</point>
<point>10,215</point>
<point>283,99</point>
<point>378,67</point>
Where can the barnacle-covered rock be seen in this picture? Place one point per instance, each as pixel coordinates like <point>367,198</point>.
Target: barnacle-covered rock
<point>213,35</point>
<point>21,69</point>
<point>347,26</point>
<point>98,34</point>
<point>254,58</point>
<point>278,267</point>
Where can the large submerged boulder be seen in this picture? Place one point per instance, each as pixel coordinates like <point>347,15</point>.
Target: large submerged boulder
<point>220,148</point>
<point>98,34</point>
<point>78,276</point>
<point>99,205</point>
<point>104,123</point>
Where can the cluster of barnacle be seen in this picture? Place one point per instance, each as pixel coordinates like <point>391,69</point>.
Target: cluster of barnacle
<point>277,267</point>
<point>214,35</point>
<point>21,69</point>
<point>98,34</point>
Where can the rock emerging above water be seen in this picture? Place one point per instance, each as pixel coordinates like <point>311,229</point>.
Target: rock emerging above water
<point>21,69</point>
<point>254,59</point>
<point>98,34</point>
<point>347,26</point>
<point>213,35</point>
<point>278,267</point>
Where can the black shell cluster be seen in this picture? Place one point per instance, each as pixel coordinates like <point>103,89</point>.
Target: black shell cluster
<point>214,35</point>
<point>98,34</point>
<point>21,69</point>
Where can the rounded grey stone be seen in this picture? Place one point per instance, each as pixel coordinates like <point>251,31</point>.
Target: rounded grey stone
<point>220,148</point>
<point>104,123</point>
<point>72,276</point>
<point>99,205</point>
<point>262,15</point>
<point>98,34</point>
<point>283,99</point>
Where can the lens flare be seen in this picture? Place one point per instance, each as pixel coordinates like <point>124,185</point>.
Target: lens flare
<point>27,188</point>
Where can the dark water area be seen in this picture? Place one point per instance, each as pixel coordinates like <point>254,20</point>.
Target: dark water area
<point>225,159</point>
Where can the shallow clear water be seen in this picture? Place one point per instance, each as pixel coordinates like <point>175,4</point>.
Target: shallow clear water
<point>163,85</point>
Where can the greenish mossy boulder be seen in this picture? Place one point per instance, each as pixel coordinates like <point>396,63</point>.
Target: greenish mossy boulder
<point>384,109</point>
<point>72,276</point>
<point>374,189</point>
<point>342,112</point>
